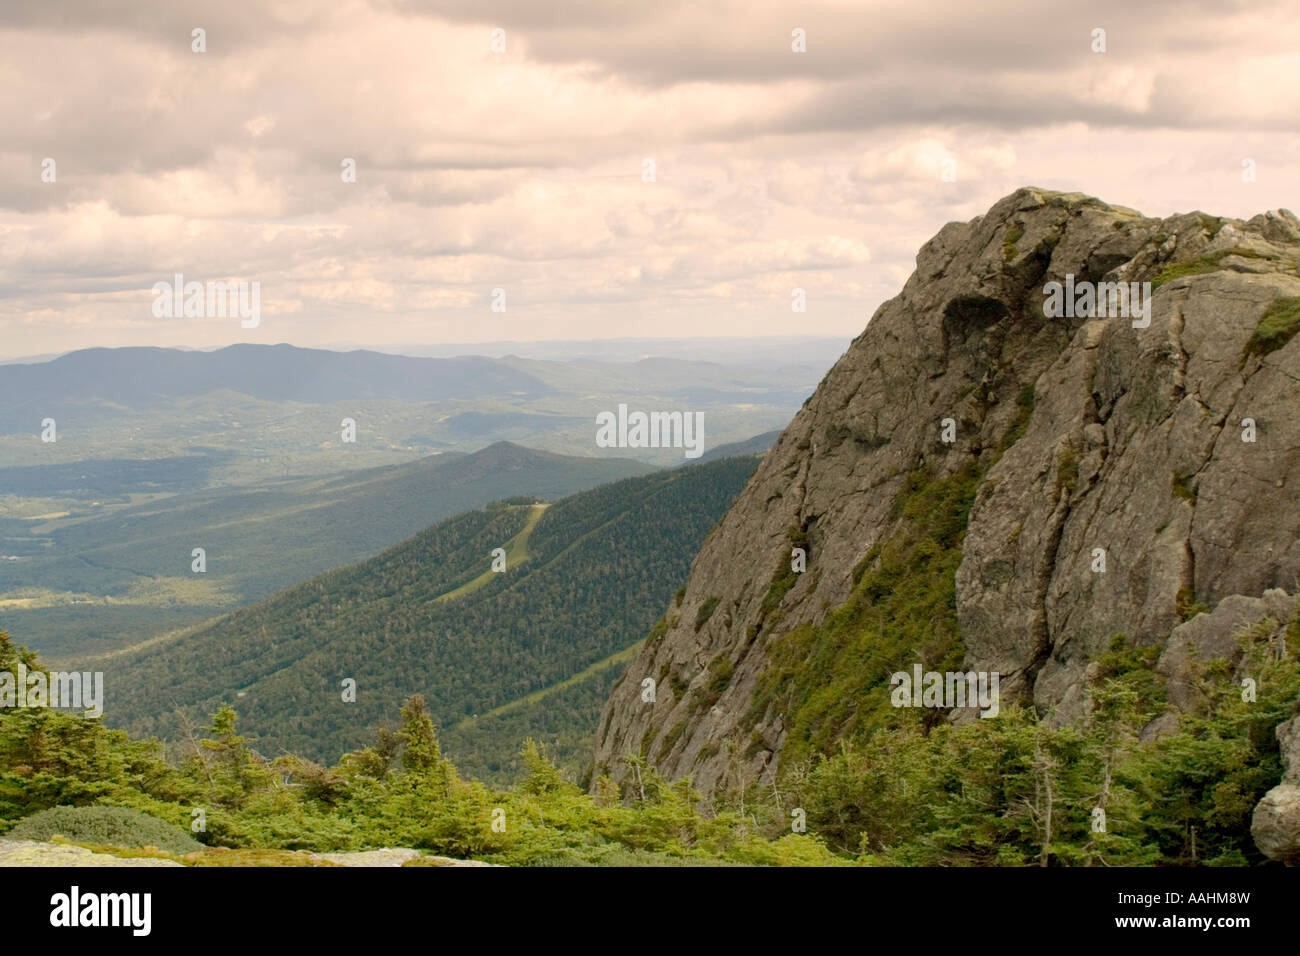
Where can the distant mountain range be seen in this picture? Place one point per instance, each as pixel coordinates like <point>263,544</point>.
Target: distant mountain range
<point>277,411</point>
<point>765,351</point>
<point>136,376</point>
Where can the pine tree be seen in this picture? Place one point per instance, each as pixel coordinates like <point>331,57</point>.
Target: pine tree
<point>422,753</point>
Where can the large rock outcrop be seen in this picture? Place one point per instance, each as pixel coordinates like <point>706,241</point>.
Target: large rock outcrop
<point>1275,825</point>
<point>1133,444</point>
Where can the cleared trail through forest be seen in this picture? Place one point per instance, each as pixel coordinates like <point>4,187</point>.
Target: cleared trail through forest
<point>516,551</point>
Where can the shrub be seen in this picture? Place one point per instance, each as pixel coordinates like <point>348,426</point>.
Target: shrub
<point>1014,235</point>
<point>1277,326</point>
<point>705,612</point>
<point>104,826</point>
<point>1212,262</point>
<point>1186,605</point>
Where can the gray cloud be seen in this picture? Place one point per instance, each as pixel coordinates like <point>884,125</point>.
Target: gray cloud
<point>524,170</point>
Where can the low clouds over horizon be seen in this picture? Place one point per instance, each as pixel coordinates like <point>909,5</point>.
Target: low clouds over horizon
<point>522,169</point>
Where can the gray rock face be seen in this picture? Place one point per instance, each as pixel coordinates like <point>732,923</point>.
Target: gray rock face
<point>1209,636</point>
<point>388,856</point>
<point>1134,446</point>
<point>1275,825</point>
<point>32,853</point>
<point>392,856</point>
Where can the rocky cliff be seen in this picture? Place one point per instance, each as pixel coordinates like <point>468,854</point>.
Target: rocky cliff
<point>1112,473</point>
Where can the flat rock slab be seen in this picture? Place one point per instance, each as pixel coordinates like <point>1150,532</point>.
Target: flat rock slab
<point>32,853</point>
<point>449,861</point>
<point>393,856</point>
<point>385,857</point>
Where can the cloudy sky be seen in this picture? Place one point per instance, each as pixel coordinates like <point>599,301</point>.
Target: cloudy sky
<point>524,169</point>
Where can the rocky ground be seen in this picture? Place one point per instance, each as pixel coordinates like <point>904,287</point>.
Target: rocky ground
<point>32,853</point>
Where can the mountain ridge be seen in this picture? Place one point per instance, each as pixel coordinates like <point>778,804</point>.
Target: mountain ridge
<point>1068,434</point>
<point>136,375</point>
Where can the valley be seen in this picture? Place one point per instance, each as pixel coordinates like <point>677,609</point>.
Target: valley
<point>96,582</point>
<point>241,452</point>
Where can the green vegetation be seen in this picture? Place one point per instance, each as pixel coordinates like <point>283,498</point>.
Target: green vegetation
<point>831,681</point>
<point>400,790</point>
<point>516,552</point>
<point>783,579</point>
<point>128,568</point>
<point>561,717</point>
<point>601,564</point>
<point>1067,470</point>
<point>1277,326</point>
<point>623,657</point>
<point>706,611</point>
<point>1186,605</point>
<point>1201,265</point>
<point>980,793</point>
<point>112,826</point>
<point>1014,235</point>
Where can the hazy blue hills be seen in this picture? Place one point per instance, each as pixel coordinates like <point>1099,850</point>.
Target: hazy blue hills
<point>167,420</point>
<point>139,376</point>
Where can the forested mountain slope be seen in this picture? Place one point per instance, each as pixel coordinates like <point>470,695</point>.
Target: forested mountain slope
<point>599,565</point>
<point>96,584</point>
